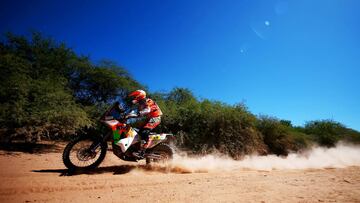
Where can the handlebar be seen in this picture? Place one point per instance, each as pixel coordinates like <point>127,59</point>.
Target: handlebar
<point>117,112</point>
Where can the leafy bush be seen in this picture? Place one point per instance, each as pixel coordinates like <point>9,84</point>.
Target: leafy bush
<point>205,126</point>
<point>329,132</point>
<point>280,136</point>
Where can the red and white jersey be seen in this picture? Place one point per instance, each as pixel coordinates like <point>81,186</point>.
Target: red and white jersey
<point>149,108</point>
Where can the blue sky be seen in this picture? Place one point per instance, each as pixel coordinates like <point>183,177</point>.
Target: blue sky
<point>293,59</point>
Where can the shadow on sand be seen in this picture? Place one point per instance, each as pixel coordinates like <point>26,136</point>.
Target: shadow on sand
<point>118,170</point>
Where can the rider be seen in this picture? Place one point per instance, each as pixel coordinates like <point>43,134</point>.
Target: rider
<point>151,113</point>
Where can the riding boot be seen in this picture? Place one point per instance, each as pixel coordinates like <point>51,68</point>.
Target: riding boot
<point>141,152</point>
<point>144,134</point>
<point>143,145</point>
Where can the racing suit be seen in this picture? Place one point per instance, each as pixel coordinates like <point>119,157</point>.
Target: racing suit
<point>151,111</point>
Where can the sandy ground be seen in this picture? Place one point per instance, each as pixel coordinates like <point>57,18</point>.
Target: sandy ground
<point>41,177</point>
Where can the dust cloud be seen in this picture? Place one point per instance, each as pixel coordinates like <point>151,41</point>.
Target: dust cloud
<point>343,155</point>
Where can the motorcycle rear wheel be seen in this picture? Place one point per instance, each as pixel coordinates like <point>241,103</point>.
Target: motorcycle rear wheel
<point>78,156</point>
<point>164,151</point>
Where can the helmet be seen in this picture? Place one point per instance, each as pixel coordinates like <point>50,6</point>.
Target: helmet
<point>137,96</point>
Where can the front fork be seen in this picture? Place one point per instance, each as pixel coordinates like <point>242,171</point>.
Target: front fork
<point>95,145</point>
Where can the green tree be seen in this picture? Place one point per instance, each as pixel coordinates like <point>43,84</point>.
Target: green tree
<point>47,90</point>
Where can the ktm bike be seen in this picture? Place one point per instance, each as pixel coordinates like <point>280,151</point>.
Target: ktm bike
<point>88,151</point>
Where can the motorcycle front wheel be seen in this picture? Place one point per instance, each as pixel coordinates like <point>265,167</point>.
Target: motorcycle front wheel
<point>84,153</point>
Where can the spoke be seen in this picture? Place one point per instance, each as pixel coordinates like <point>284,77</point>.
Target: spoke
<point>79,156</point>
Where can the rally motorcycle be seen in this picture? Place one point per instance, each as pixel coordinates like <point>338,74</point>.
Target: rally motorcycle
<point>88,151</point>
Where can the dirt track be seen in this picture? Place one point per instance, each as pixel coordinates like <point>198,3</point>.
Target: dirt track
<point>41,177</point>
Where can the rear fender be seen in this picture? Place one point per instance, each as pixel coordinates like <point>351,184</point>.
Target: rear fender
<point>155,139</point>
<point>170,138</point>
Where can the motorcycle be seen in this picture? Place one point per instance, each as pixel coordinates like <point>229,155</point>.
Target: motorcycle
<point>88,151</point>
